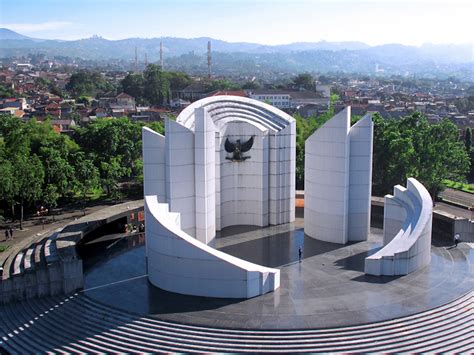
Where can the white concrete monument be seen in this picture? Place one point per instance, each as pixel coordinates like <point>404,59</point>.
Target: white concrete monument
<point>338,180</point>
<point>407,227</point>
<point>225,161</point>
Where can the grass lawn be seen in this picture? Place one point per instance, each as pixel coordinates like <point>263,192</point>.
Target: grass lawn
<point>459,186</point>
<point>3,248</point>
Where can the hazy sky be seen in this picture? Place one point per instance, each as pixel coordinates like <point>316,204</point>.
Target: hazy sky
<point>262,21</point>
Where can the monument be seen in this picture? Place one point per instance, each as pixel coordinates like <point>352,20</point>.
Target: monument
<point>225,161</point>
<point>407,227</point>
<point>230,161</point>
<point>338,180</point>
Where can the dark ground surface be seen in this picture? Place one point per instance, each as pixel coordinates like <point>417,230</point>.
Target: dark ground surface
<point>327,289</point>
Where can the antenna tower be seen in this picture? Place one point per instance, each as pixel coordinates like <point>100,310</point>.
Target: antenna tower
<point>161,55</point>
<point>136,59</point>
<point>209,58</point>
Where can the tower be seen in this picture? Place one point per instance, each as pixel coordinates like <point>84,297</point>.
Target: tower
<point>136,59</point>
<point>161,55</point>
<point>209,58</point>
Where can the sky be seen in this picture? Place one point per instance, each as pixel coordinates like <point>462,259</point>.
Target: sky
<point>375,22</point>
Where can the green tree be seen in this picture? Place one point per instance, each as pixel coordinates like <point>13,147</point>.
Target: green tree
<point>87,83</point>
<point>304,81</point>
<point>411,147</point>
<point>6,92</point>
<point>87,176</point>
<point>50,198</point>
<point>112,171</point>
<point>29,175</point>
<point>156,86</point>
<point>468,139</point>
<point>59,172</point>
<point>8,183</point>
<point>134,85</point>
<point>251,85</point>
<point>178,80</point>
<point>221,84</point>
<point>114,146</point>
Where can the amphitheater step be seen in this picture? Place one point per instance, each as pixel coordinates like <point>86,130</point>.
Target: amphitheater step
<point>29,260</point>
<point>89,326</point>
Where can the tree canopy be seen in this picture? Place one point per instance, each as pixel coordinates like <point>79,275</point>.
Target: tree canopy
<point>304,81</point>
<point>88,83</point>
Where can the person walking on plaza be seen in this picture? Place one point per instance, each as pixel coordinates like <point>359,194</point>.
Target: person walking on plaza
<point>456,239</point>
<point>7,234</point>
<point>300,253</point>
<point>11,233</point>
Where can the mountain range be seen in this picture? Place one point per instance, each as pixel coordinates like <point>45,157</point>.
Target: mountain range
<point>302,56</point>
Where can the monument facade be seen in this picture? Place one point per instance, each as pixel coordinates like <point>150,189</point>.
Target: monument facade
<point>225,161</point>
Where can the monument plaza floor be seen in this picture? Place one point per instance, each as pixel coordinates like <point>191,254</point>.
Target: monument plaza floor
<point>328,288</point>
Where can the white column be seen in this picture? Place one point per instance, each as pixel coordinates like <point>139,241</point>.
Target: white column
<point>180,187</point>
<point>360,178</point>
<point>205,175</point>
<point>327,180</point>
<point>154,167</point>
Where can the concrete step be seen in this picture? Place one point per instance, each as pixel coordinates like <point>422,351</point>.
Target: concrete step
<point>141,327</point>
<point>87,326</point>
<point>269,340</point>
<point>18,264</point>
<point>15,337</point>
<point>29,260</point>
<point>40,259</point>
<point>50,250</point>
<point>385,326</point>
<point>67,339</point>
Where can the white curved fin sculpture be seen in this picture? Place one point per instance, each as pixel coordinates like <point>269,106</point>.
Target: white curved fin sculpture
<point>407,232</point>
<point>338,180</point>
<point>180,263</point>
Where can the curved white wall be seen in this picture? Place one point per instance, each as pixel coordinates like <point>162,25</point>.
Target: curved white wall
<point>179,263</point>
<point>407,232</point>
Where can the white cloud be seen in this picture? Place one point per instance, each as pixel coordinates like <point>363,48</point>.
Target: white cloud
<point>36,27</point>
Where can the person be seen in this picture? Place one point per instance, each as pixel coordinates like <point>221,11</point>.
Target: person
<point>456,239</point>
<point>7,234</point>
<point>11,233</point>
<point>300,253</point>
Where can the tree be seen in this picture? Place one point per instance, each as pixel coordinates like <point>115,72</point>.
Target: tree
<point>114,146</point>
<point>29,174</point>
<point>6,92</point>
<point>58,173</point>
<point>156,86</point>
<point>411,147</point>
<point>112,170</point>
<point>221,84</point>
<point>178,80</point>
<point>50,197</point>
<point>8,183</point>
<point>87,83</point>
<point>87,176</point>
<point>468,139</point>
<point>251,85</point>
<point>304,81</point>
<point>134,85</point>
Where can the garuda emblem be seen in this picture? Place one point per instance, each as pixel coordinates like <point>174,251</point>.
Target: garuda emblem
<point>237,149</point>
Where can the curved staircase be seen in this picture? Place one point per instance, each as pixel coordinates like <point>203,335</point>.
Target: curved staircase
<point>31,268</point>
<point>77,324</point>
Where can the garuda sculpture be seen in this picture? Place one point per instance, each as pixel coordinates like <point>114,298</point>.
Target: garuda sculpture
<point>237,149</point>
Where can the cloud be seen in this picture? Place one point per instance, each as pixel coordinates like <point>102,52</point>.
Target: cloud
<point>36,27</point>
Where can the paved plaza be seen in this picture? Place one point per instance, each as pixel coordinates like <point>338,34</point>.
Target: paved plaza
<point>327,289</point>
